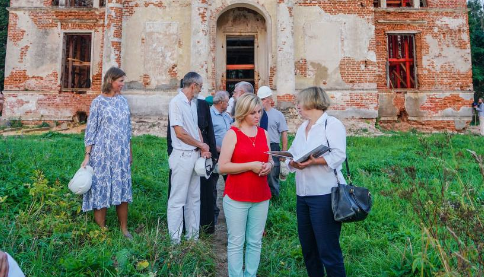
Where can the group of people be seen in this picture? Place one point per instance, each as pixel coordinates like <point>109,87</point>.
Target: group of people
<point>237,135</point>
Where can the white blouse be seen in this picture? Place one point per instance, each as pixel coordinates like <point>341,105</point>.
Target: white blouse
<point>319,179</point>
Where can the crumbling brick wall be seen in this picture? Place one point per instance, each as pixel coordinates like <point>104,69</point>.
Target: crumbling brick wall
<point>34,70</point>
<point>443,96</point>
<point>340,45</point>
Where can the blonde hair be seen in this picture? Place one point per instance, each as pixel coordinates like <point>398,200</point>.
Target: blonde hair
<point>314,98</point>
<point>245,105</point>
<point>111,75</point>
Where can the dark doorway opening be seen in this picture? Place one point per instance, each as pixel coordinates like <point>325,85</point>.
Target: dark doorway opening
<point>240,61</point>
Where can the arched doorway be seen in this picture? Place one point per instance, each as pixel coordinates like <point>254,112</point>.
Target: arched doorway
<point>242,48</point>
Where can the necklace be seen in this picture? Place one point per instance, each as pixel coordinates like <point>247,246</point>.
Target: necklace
<point>253,141</point>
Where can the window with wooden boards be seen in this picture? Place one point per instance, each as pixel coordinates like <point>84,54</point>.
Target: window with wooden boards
<point>76,73</point>
<point>401,69</point>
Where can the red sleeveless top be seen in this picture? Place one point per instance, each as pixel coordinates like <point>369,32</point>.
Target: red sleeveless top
<point>248,186</point>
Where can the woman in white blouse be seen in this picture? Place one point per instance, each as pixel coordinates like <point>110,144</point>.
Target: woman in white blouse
<point>318,231</point>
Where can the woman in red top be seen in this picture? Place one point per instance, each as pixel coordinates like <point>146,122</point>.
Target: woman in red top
<point>247,193</point>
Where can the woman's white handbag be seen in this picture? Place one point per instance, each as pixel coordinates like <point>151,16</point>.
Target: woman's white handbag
<point>82,180</point>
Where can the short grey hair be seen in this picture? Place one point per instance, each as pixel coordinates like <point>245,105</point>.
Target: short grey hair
<point>246,86</point>
<point>191,78</point>
<point>220,96</point>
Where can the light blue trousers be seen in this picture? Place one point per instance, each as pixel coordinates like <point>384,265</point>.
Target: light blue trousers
<point>245,223</point>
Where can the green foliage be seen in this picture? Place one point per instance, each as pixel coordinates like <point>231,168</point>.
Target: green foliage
<point>476,32</point>
<point>15,123</point>
<point>42,225</point>
<point>3,38</point>
<point>43,124</point>
<point>392,241</point>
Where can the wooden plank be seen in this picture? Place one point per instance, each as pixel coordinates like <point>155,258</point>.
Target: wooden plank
<point>240,66</point>
<point>71,53</point>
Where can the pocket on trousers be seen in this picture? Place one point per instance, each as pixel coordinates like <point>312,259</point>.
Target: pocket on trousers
<point>174,158</point>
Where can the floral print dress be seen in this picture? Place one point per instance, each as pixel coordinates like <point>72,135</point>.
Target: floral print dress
<point>109,132</point>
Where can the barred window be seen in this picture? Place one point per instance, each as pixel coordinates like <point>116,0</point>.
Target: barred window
<point>401,61</point>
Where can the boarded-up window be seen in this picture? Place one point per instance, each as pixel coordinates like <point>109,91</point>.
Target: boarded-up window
<point>240,61</point>
<point>73,3</point>
<point>400,3</point>
<point>77,61</point>
<point>401,61</point>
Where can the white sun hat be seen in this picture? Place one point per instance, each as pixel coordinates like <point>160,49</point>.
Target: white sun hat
<point>82,180</point>
<point>204,167</point>
<point>264,92</point>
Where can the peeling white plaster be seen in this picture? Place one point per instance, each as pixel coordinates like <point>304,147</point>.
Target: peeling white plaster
<point>452,23</point>
<point>441,55</point>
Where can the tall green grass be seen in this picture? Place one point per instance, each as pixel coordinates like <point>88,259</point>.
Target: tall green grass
<point>390,241</point>
<point>42,226</point>
<point>79,248</point>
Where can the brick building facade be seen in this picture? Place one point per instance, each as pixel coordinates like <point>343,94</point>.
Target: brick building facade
<point>405,62</point>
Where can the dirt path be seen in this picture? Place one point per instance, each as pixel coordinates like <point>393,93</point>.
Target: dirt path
<point>220,236</point>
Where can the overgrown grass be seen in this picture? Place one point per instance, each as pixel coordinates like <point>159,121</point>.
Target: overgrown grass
<point>392,241</point>
<point>41,223</point>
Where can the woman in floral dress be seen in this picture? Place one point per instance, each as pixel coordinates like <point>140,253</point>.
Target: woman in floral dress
<point>108,151</point>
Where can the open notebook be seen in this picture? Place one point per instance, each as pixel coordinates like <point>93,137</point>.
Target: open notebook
<point>316,152</point>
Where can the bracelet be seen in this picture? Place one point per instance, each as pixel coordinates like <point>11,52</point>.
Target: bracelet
<point>88,153</point>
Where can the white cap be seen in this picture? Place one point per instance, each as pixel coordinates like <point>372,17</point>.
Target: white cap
<point>264,92</point>
<point>204,167</point>
<point>82,180</point>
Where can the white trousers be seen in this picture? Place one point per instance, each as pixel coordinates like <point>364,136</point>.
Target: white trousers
<point>481,124</point>
<point>185,193</point>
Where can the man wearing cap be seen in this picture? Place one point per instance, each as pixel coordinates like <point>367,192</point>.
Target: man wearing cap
<point>188,145</point>
<point>277,129</point>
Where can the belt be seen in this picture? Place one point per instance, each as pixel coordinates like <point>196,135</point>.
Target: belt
<point>192,150</point>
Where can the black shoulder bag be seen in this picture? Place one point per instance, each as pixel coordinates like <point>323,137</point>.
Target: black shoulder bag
<point>349,203</point>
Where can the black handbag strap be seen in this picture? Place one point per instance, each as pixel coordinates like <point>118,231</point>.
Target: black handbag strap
<point>348,174</point>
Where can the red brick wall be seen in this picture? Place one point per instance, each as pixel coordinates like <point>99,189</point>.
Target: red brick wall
<point>354,73</point>
<point>70,19</point>
<point>452,4</point>
<point>438,79</point>
<point>446,78</point>
<point>425,126</point>
<point>47,104</point>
